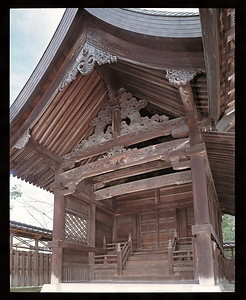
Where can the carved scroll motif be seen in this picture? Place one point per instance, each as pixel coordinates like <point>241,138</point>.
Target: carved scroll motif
<point>85,62</point>
<point>23,140</point>
<point>180,77</point>
<point>103,119</point>
<point>129,109</point>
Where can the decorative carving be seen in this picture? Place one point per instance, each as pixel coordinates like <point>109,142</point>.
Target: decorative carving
<point>85,62</point>
<point>115,151</point>
<point>129,108</point>
<point>103,119</point>
<point>23,140</point>
<point>180,77</point>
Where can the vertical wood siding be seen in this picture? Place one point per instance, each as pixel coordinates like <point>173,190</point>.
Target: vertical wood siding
<point>24,273</point>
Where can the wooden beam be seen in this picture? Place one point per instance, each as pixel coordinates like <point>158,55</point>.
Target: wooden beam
<point>162,129</point>
<point>122,161</point>
<point>52,159</point>
<point>146,56</point>
<point>144,184</point>
<point>210,35</point>
<point>131,171</point>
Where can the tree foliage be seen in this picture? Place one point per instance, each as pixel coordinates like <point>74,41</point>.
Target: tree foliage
<point>228,227</point>
<point>15,192</point>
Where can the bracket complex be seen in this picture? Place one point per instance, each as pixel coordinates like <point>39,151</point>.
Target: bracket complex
<point>85,62</point>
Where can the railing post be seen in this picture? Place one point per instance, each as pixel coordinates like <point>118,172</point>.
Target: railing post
<point>130,243</point>
<point>119,260</point>
<point>170,257</point>
<point>104,243</point>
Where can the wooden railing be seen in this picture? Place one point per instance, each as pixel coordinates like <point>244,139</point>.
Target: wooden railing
<point>180,255</point>
<point>116,253</point>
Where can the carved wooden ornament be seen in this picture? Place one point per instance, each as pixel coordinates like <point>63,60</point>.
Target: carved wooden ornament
<point>23,140</point>
<point>129,108</point>
<point>180,77</point>
<point>85,62</point>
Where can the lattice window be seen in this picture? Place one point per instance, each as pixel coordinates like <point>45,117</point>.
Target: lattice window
<point>75,228</point>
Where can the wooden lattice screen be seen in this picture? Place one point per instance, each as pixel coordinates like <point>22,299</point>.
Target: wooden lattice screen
<point>75,228</point>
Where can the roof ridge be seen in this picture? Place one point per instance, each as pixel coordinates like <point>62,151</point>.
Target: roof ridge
<point>28,226</point>
<point>163,13</point>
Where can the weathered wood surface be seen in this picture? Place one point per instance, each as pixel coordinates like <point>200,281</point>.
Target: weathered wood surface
<point>144,184</point>
<point>162,129</point>
<point>121,161</point>
<point>100,180</point>
<point>25,272</point>
<point>210,23</point>
<point>52,159</point>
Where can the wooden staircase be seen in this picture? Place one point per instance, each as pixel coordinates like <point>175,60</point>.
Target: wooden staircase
<point>119,263</point>
<point>183,263</point>
<point>150,265</point>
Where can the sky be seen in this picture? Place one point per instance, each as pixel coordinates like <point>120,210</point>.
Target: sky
<point>30,33</point>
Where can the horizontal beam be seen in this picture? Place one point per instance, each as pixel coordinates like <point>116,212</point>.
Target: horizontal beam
<point>122,161</point>
<point>144,184</point>
<point>132,171</point>
<point>125,140</point>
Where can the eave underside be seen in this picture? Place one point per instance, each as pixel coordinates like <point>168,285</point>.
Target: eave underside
<point>65,121</point>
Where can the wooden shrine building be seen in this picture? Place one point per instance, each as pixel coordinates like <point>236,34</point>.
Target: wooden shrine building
<point>129,119</point>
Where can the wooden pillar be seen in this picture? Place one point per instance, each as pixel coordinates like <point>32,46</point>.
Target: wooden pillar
<point>170,257</point>
<point>11,257</point>
<point>92,239</point>
<point>119,260</point>
<point>35,265</point>
<point>58,230</point>
<point>203,243</point>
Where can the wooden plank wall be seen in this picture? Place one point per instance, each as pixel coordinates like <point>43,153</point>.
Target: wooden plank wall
<point>104,227</point>
<point>23,271</point>
<point>150,215</point>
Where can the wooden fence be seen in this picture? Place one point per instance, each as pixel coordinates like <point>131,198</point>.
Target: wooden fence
<point>29,268</point>
<point>229,267</point>
<point>76,272</point>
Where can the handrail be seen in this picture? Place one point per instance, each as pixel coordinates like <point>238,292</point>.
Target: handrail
<point>172,245</point>
<point>123,254</point>
<point>123,251</point>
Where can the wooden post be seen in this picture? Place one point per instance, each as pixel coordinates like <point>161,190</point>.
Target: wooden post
<point>35,261</point>
<point>104,243</point>
<point>116,120</point>
<point>92,240</point>
<point>58,230</point>
<point>170,257</point>
<point>119,260</point>
<point>11,258</point>
<point>203,246</point>
<point>130,242</point>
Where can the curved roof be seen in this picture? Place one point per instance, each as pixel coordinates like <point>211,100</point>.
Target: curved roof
<point>161,24</point>
<point>23,229</point>
<point>58,120</point>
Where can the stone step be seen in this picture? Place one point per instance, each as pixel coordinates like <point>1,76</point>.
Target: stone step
<point>125,287</point>
<point>147,277</point>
